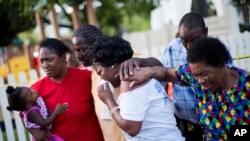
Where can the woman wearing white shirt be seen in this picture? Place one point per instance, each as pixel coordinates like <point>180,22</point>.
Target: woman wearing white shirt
<point>144,112</point>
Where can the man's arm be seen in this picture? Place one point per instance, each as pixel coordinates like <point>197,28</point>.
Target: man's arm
<point>145,73</point>
<point>164,74</point>
<point>149,62</point>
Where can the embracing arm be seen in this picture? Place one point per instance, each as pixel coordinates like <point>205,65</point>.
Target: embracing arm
<point>145,73</point>
<point>127,67</point>
<point>149,62</point>
<point>164,74</point>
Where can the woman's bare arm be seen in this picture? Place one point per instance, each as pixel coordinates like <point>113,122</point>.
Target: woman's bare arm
<point>35,117</point>
<point>128,126</point>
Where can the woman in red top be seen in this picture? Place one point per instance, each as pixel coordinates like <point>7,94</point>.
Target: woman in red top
<point>71,85</point>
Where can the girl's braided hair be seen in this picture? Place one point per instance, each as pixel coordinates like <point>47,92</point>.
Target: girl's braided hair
<point>16,102</point>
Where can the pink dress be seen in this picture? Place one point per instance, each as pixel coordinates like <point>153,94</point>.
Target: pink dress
<point>44,113</point>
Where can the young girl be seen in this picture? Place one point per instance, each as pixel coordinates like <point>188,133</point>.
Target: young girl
<point>33,108</point>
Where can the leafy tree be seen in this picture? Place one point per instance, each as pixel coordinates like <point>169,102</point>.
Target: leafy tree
<point>117,16</point>
<point>18,16</point>
<point>15,17</point>
<point>114,16</point>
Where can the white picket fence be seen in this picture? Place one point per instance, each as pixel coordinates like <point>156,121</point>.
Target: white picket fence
<point>239,47</point>
<point>9,117</point>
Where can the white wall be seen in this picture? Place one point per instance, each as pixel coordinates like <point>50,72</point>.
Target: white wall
<point>169,12</point>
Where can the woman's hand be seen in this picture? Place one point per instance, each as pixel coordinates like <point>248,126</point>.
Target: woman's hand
<point>105,93</point>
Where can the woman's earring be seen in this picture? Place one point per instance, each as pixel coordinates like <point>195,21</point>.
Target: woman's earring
<point>112,66</point>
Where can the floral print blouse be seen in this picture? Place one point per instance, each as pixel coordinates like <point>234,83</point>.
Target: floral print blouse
<point>218,110</point>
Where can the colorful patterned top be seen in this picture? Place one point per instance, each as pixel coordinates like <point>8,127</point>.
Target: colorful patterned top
<point>218,110</point>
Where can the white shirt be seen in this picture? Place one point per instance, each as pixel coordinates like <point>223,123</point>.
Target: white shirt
<point>150,104</point>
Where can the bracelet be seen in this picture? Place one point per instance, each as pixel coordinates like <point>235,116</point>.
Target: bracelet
<point>112,110</point>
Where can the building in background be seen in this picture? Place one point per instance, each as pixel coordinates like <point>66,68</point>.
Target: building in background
<point>170,11</point>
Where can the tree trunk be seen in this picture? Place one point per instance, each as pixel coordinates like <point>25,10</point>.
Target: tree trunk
<point>200,6</point>
<point>53,21</point>
<point>91,13</point>
<point>39,22</point>
<point>74,17</point>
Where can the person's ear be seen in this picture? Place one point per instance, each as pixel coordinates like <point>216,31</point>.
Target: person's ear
<point>64,57</point>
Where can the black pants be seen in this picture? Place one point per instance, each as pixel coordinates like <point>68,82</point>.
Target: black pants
<point>191,131</point>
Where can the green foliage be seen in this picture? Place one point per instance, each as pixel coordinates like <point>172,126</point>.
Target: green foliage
<point>15,17</point>
<point>117,16</point>
<point>29,37</point>
<point>135,23</point>
<point>244,27</point>
<point>43,6</point>
<point>113,16</point>
<point>71,2</point>
<point>211,8</point>
<point>39,4</point>
<point>109,15</point>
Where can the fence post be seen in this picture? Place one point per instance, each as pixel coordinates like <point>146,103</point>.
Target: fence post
<point>6,114</point>
<point>1,86</point>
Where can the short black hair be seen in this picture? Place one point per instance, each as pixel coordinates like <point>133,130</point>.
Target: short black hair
<point>54,45</point>
<point>110,50</point>
<point>209,50</point>
<point>89,32</point>
<point>192,20</point>
<point>16,102</point>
